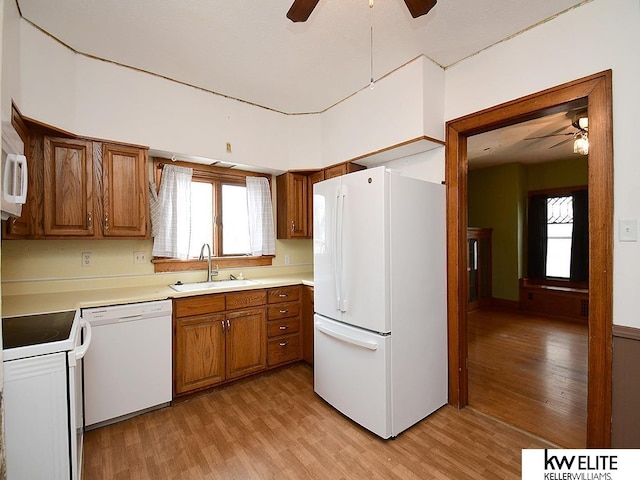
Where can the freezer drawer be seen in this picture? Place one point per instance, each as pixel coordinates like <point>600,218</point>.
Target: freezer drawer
<point>352,373</point>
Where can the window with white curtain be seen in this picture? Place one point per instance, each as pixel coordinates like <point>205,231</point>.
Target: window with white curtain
<point>234,221</point>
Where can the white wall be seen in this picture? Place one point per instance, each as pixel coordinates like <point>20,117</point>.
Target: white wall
<point>600,35</point>
<point>390,113</point>
<point>99,99</point>
<point>305,149</point>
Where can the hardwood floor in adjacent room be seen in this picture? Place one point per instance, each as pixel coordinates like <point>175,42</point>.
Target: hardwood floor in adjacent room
<point>530,372</point>
<point>274,427</point>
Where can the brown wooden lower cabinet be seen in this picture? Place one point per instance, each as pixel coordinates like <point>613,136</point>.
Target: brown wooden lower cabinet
<point>245,347</point>
<point>225,336</point>
<point>213,343</point>
<point>307,324</point>
<point>200,358</point>
<point>283,325</point>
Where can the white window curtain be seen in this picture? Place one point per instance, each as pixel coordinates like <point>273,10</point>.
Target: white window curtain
<point>173,229</point>
<point>261,229</point>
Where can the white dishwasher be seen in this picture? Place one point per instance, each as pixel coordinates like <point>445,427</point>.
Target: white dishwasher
<point>127,370</point>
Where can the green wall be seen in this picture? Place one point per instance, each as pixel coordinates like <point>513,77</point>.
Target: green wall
<point>497,199</point>
<point>563,173</point>
<point>495,202</point>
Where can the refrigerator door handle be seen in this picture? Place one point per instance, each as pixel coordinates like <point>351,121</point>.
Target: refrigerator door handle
<point>347,339</point>
<point>342,304</point>
<point>337,244</point>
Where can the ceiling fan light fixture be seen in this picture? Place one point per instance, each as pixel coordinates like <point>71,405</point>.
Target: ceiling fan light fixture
<point>581,145</point>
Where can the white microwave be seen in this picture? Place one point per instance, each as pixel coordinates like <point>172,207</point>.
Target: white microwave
<point>14,172</point>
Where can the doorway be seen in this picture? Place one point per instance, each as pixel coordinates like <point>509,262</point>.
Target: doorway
<point>595,90</point>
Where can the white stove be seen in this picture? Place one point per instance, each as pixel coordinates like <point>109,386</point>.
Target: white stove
<point>33,335</point>
<point>44,416</point>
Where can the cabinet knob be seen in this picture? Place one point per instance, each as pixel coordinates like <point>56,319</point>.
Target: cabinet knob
<point>106,221</point>
<point>284,311</point>
<point>283,295</point>
<point>283,327</point>
<point>293,226</point>
<point>90,219</point>
<point>283,344</point>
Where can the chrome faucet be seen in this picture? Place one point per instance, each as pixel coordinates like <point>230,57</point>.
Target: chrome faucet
<point>210,273</point>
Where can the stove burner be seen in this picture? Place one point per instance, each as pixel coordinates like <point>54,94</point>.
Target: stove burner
<point>36,329</point>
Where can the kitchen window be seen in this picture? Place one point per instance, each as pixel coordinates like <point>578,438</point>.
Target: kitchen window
<point>219,217</point>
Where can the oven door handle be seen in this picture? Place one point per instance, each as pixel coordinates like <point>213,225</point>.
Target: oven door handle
<point>82,349</point>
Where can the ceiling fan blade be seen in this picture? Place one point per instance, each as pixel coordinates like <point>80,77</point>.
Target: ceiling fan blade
<point>418,8</point>
<point>550,135</point>
<point>301,9</point>
<point>561,143</point>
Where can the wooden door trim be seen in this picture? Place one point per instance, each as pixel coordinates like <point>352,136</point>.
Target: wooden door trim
<point>597,91</point>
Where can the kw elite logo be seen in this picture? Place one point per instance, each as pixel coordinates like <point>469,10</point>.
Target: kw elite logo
<point>580,464</point>
<point>590,467</point>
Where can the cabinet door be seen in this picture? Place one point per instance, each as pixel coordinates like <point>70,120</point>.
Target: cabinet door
<point>246,342</point>
<point>68,187</point>
<point>342,169</point>
<point>200,352</point>
<point>336,171</point>
<point>293,207</point>
<point>124,176</point>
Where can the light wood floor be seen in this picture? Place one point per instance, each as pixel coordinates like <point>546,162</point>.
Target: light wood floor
<point>275,427</point>
<point>530,372</point>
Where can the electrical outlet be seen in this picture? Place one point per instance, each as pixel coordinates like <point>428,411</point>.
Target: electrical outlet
<point>87,259</point>
<point>139,257</point>
<point>228,147</point>
<point>287,259</point>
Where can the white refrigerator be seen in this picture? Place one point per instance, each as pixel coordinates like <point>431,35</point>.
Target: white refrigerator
<point>380,325</point>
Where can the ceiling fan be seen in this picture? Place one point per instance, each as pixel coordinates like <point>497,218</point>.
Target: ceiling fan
<point>580,122</point>
<point>301,9</point>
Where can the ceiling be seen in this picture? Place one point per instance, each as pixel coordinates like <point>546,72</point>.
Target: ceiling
<point>544,139</point>
<point>250,51</point>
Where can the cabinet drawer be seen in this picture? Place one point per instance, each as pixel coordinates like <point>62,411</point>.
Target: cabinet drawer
<point>283,327</point>
<point>283,349</point>
<point>284,294</point>
<point>283,310</point>
<point>201,304</point>
<point>249,298</point>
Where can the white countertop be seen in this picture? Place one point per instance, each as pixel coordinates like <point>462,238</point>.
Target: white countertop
<point>31,304</point>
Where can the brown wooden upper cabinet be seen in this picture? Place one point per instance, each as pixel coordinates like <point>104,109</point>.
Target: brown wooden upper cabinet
<point>293,205</point>
<point>295,198</point>
<point>83,188</point>
<point>68,187</point>
<point>125,195</point>
<point>341,169</point>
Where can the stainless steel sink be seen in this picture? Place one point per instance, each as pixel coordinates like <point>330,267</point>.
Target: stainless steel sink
<point>191,287</point>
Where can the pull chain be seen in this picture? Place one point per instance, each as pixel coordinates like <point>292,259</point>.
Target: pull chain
<point>371,84</point>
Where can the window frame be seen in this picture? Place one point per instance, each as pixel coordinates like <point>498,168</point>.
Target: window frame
<point>218,176</point>
<point>555,237</point>
<point>555,192</point>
